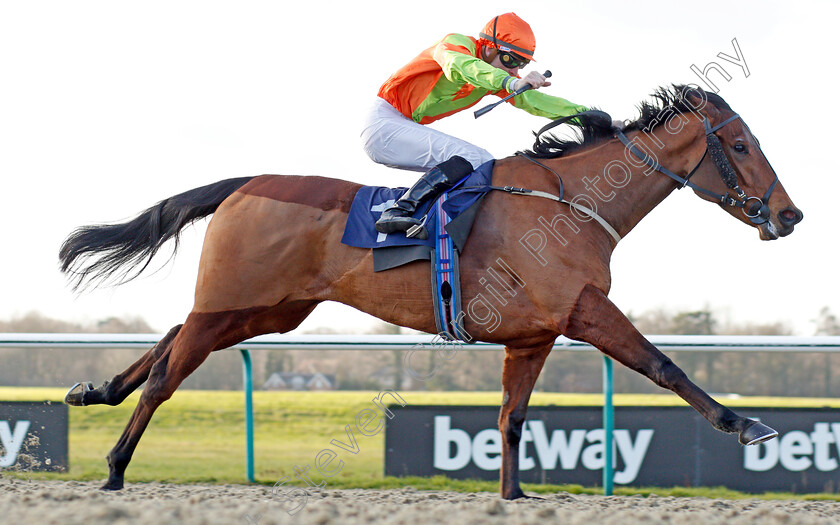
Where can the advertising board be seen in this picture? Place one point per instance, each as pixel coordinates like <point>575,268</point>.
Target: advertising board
<point>653,446</point>
<point>33,436</point>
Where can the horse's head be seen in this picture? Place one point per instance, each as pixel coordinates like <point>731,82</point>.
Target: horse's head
<point>735,168</point>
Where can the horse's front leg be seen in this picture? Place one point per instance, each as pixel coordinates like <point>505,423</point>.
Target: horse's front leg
<point>521,370</point>
<point>597,321</point>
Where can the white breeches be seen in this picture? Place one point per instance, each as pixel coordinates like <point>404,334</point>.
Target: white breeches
<point>391,139</point>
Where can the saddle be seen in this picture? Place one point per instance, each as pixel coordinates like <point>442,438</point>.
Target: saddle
<point>449,219</point>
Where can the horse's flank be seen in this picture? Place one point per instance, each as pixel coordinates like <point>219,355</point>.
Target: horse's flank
<point>281,211</point>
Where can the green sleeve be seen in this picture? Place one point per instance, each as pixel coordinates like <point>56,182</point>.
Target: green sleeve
<point>456,56</point>
<point>544,105</point>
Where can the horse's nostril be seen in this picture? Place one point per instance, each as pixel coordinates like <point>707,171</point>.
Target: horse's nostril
<point>789,216</point>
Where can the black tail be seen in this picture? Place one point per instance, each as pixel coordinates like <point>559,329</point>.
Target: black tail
<point>93,254</point>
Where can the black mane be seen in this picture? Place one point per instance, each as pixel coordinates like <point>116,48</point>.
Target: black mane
<point>587,132</point>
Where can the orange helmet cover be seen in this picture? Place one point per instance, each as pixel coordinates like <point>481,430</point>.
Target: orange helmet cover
<point>510,33</point>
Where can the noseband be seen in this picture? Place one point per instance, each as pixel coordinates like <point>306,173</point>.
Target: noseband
<point>758,212</point>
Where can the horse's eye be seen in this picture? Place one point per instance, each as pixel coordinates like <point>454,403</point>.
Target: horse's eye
<point>740,148</point>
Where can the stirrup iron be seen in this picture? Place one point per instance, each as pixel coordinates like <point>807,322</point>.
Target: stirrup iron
<point>418,230</point>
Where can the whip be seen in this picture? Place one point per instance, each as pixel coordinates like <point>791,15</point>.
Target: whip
<point>519,91</point>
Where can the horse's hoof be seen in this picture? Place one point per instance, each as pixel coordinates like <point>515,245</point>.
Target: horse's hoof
<point>514,494</point>
<point>756,433</point>
<point>76,395</point>
<point>112,484</point>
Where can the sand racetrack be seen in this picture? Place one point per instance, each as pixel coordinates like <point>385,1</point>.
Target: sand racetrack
<point>72,502</point>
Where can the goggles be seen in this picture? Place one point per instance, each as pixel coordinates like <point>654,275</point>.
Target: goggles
<point>511,61</point>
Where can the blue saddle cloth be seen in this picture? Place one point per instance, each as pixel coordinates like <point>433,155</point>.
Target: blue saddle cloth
<point>371,201</point>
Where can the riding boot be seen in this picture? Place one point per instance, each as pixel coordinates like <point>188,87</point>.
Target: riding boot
<point>398,218</point>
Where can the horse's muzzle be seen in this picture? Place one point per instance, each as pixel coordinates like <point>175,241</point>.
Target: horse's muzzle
<point>787,219</point>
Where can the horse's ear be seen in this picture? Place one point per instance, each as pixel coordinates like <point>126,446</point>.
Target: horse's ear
<point>712,112</point>
<point>697,100</point>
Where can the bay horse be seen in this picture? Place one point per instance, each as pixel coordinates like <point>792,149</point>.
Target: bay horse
<point>272,252</point>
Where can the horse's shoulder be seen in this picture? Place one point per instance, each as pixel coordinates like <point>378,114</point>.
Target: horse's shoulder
<point>319,192</point>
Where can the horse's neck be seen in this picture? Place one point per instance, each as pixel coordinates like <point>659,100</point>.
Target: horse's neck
<point>623,189</point>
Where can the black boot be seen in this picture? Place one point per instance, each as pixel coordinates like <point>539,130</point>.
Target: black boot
<point>398,218</point>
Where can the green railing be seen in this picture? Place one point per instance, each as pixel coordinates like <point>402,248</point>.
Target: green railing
<point>405,342</point>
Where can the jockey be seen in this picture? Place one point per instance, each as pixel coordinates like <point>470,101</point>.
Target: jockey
<point>450,76</point>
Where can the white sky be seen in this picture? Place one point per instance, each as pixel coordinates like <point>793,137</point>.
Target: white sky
<point>107,107</point>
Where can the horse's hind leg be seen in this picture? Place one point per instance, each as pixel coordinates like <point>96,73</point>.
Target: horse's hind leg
<point>201,334</point>
<point>194,342</point>
<point>115,391</point>
<point>599,322</point>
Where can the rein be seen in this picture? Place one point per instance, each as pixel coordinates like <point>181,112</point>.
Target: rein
<point>545,195</point>
<point>601,118</point>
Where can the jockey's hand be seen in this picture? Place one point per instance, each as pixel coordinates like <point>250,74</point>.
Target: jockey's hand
<point>534,78</point>
<point>616,123</point>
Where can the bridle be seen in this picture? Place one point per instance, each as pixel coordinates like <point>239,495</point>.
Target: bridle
<point>758,212</point>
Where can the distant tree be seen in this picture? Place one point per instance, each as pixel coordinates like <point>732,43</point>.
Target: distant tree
<point>54,367</point>
<point>698,322</point>
<point>35,322</point>
<point>116,325</point>
<point>278,361</point>
<point>323,330</point>
<point>652,322</point>
<point>397,373</point>
<point>827,323</point>
<point>777,328</point>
